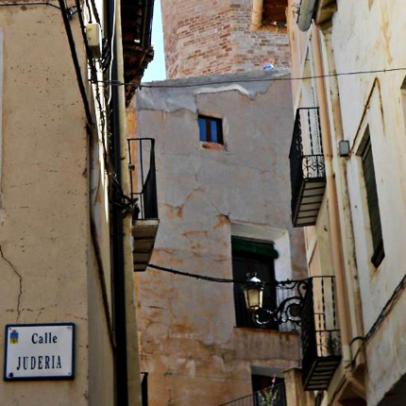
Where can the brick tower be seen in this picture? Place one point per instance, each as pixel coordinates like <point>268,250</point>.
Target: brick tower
<point>208,37</point>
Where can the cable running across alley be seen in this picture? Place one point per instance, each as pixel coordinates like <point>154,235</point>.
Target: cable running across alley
<point>249,80</point>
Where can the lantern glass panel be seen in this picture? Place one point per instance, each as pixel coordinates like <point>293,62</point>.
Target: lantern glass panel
<point>254,297</point>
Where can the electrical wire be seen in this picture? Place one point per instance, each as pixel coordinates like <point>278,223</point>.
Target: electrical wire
<point>381,317</point>
<point>111,53</point>
<point>107,42</point>
<point>287,284</point>
<point>76,64</point>
<point>126,201</point>
<point>196,276</point>
<point>250,80</point>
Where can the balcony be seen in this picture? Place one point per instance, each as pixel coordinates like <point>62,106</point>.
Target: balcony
<point>307,169</point>
<point>144,191</point>
<point>321,343</point>
<point>274,395</point>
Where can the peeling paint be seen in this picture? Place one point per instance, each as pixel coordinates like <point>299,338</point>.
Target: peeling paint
<point>181,94</point>
<point>190,345</point>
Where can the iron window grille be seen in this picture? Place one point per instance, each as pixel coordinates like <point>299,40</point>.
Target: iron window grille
<point>274,395</point>
<point>142,170</point>
<point>320,335</point>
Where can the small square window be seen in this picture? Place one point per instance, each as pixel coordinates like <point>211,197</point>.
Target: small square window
<point>210,129</point>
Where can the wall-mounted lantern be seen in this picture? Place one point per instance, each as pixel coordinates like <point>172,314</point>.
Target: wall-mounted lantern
<point>254,293</point>
<point>290,296</point>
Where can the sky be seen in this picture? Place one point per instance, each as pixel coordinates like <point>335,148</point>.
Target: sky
<point>156,69</point>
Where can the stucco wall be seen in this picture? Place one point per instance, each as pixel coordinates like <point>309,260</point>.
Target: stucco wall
<point>365,36</point>
<point>378,105</point>
<point>189,343</point>
<point>46,256</point>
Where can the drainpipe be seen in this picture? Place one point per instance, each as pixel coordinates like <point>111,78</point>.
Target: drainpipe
<point>332,197</point>
<point>128,383</point>
<point>133,368</point>
<point>305,14</point>
<point>119,297</point>
<point>338,254</point>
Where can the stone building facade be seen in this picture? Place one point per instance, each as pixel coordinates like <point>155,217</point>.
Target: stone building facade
<point>223,36</point>
<point>357,229</point>
<point>56,216</point>
<point>220,128</point>
<point>192,344</point>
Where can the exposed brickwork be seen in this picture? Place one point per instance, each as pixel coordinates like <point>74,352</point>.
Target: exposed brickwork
<point>207,37</point>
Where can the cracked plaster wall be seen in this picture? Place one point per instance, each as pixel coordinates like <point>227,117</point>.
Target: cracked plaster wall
<point>189,343</point>
<point>46,258</point>
<point>365,35</point>
<point>380,106</point>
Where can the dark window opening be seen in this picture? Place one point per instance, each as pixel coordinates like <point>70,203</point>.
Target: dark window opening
<point>267,389</point>
<point>251,256</point>
<point>144,389</point>
<point>274,13</point>
<point>372,202</point>
<point>210,129</point>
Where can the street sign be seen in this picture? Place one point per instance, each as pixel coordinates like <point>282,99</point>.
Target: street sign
<point>39,351</point>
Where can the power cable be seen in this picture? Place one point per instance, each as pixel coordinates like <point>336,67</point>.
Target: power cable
<point>126,202</point>
<point>249,80</point>
<point>196,276</point>
<point>381,317</point>
<point>287,284</point>
<point>76,64</point>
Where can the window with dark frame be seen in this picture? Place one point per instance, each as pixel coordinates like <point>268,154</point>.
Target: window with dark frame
<point>372,202</point>
<point>264,386</point>
<point>210,129</point>
<point>253,256</point>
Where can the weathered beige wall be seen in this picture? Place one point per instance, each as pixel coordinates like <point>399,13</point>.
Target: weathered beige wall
<point>101,357</point>
<point>189,343</point>
<point>365,36</point>
<point>381,48</point>
<point>47,267</point>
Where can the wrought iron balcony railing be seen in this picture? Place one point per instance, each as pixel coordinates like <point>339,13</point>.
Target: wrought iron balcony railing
<point>143,187</point>
<point>321,345</point>
<point>274,395</point>
<point>307,169</point>
<point>143,176</point>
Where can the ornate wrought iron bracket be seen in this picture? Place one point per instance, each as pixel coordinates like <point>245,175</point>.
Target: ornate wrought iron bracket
<point>290,295</point>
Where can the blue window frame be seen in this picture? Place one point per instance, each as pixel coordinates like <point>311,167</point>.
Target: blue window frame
<point>210,129</point>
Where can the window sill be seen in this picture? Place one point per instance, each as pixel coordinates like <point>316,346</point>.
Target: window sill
<point>259,328</point>
<point>255,330</point>
<point>212,146</point>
